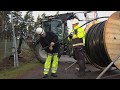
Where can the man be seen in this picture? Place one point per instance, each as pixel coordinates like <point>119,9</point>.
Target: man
<point>78,40</point>
<point>49,39</point>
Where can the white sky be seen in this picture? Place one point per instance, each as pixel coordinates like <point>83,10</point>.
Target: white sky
<point>36,13</point>
<point>80,15</point>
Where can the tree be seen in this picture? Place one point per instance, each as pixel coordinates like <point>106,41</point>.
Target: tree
<point>38,22</point>
<point>43,15</point>
<point>17,20</point>
<point>57,13</point>
<point>29,20</point>
<point>4,20</point>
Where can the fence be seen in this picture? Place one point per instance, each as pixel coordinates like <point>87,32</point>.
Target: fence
<point>6,47</point>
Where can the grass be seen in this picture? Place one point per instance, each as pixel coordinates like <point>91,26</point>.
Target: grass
<point>27,63</point>
<point>14,72</point>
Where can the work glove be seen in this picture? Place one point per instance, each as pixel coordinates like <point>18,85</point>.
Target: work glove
<point>70,36</point>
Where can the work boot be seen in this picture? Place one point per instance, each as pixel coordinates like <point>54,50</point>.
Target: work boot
<point>79,74</point>
<point>54,74</point>
<point>87,70</point>
<point>82,66</point>
<point>45,76</point>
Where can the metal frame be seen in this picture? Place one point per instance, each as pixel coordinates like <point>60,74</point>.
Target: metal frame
<point>70,65</point>
<point>107,68</point>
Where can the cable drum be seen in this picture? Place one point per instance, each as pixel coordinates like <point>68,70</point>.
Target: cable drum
<point>90,24</point>
<point>103,42</point>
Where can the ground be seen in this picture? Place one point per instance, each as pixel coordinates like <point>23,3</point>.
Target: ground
<point>70,73</point>
<point>63,72</point>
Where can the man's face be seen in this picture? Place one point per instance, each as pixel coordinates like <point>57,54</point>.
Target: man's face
<point>43,35</point>
<point>74,25</point>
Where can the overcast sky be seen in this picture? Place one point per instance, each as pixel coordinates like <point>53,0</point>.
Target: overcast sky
<point>80,15</point>
<point>100,13</point>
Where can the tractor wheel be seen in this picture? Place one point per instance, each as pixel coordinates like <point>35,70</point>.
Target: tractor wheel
<point>40,54</point>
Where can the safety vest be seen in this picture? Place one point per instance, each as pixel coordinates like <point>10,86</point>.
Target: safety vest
<point>78,32</point>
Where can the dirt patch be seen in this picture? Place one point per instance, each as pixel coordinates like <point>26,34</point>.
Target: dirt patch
<point>6,63</point>
<point>25,56</point>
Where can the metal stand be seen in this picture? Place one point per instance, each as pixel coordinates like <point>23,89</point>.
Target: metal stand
<point>70,65</point>
<point>86,58</point>
<point>100,75</point>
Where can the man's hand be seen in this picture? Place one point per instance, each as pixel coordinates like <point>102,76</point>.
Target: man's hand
<point>51,48</point>
<point>52,44</point>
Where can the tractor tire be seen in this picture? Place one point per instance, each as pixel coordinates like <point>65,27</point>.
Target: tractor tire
<point>40,54</point>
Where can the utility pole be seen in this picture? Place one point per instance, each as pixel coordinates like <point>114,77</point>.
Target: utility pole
<point>14,50</point>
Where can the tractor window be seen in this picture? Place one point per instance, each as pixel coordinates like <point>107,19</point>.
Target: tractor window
<point>57,28</point>
<point>54,26</point>
<point>47,26</point>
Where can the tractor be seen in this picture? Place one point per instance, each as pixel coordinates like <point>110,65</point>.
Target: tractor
<point>58,25</point>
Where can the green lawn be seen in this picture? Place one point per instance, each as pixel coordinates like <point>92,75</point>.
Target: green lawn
<point>13,72</point>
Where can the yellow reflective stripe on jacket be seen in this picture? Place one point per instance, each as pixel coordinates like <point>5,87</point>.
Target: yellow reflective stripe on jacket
<point>78,44</point>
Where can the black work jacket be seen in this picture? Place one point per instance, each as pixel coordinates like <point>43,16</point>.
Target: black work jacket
<point>45,41</point>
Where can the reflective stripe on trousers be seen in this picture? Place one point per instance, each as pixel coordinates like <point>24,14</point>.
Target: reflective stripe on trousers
<point>78,44</point>
<point>48,63</point>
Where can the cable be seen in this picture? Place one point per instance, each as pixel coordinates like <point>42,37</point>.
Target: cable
<point>93,20</point>
<point>71,32</point>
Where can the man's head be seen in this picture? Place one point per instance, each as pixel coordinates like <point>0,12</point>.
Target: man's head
<point>75,22</point>
<point>41,32</point>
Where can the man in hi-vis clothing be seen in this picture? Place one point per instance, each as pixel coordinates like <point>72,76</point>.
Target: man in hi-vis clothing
<point>49,39</point>
<point>78,40</point>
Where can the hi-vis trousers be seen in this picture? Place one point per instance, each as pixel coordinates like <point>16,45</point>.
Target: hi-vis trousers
<point>48,63</point>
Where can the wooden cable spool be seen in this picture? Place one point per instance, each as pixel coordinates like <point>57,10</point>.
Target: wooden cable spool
<point>90,24</point>
<point>103,42</point>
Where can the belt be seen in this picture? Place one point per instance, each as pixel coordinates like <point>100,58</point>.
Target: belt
<point>78,44</point>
